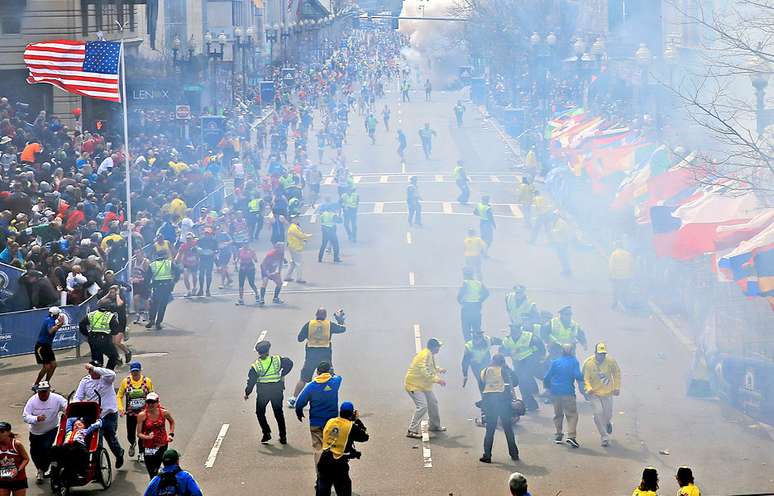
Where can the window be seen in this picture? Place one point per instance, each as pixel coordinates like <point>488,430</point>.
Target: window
<point>10,23</point>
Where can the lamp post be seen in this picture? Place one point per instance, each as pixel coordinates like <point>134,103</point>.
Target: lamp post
<point>243,44</point>
<point>760,71</point>
<point>271,39</point>
<point>213,55</point>
<point>284,35</point>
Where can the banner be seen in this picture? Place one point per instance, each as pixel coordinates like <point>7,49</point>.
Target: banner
<point>19,330</point>
<point>9,280</point>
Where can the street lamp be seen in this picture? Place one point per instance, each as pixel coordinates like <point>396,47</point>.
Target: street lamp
<point>644,57</point>
<point>760,71</point>
<point>213,55</point>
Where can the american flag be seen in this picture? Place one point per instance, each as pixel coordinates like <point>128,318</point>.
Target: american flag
<point>84,68</point>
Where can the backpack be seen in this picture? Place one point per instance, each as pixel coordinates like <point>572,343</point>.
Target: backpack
<point>168,483</point>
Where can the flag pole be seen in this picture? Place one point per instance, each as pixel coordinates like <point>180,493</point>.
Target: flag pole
<point>128,181</point>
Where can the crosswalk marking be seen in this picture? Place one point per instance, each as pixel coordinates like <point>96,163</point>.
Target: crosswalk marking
<point>378,207</point>
<point>383,179</point>
<point>409,239</point>
<point>494,179</point>
<point>328,181</point>
<point>313,219</point>
<point>447,207</point>
<point>411,279</point>
<point>356,179</point>
<point>516,211</point>
<point>439,178</point>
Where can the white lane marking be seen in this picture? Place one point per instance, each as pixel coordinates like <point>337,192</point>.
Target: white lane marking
<point>409,239</point>
<point>447,208</point>
<point>426,453</point>
<point>216,447</point>
<point>332,172</point>
<point>378,207</point>
<point>328,181</point>
<point>309,211</point>
<point>494,179</point>
<point>357,179</point>
<point>403,167</point>
<point>356,161</point>
<point>261,336</point>
<point>411,279</point>
<point>438,178</point>
<point>313,219</point>
<point>284,283</point>
<point>516,211</point>
<point>383,179</point>
<point>685,340</point>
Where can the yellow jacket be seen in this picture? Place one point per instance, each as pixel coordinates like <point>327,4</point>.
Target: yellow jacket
<point>621,264</point>
<point>601,379</point>
<point>422,372</point>
<point>474,246</point>
<point>689,490</point>
<point>135,384</point>
<point>296,237</point>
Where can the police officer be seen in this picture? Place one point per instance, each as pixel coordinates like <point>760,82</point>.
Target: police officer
<point>99,327</point>
<point>267,373</point>
<point>486,220</point>
<point>339,436</point>
<point>463,183</point>
<point>162,283</point>
<point>349,203</point>
<point>328,220</point>
<point>255,208</point>
<point>317,333</point>
<point>470,296</point>
<point>497,403</point>
<point>562,330</point>
<point>519,306</point>
<point>527,351</point>
<point>477,356</point>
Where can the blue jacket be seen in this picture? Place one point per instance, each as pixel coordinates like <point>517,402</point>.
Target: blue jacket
<point>322,394</point>
<point>560,378</point>
<point>185,483</point>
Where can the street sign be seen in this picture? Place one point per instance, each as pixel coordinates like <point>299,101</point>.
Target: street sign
<point>182,112</point>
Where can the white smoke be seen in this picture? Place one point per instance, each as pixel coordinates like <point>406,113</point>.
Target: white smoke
<point>435,51</point>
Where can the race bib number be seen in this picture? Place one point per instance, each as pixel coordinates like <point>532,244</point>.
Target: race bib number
<point>8,472</point>
<point>151,451</point>
<point>137,403</point>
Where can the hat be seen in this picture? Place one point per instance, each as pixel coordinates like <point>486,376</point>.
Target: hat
<point>54,310</point>
<point>565,309</point>
<point>170,457</point>
<point>5,139</point>
<point>152,396</point>
<point>135,366</point>
<point>43,386</point>
<point>346,407</point>
<point>519,288</point>
<point>95,363</point>
<point>601,348</point>
<point>434,343</point>
<point>262,346</point>
<point>5,426</point>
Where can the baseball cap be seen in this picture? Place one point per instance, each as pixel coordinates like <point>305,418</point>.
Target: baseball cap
<point>565,309</point>
<point>346,407</point>
<point>135,366</point>
<point>5,426</point>
<point>170,457</point>
<point>601,348</point>
<point>434,343</point>
<point>43,386</point>
<point>54,310</point>
<point>152,396</point>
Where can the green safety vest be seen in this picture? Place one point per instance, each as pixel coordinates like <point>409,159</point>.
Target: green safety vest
<point>161,270</point>
<point>100,321</point>
<point>516,311</point>
<point>482,210</point>
<point>521,348</point>
<point>328,219</point>
<point>473,290</point>
<point>286,181</point>
<point>562,335</point>
<point>458,172</point>
<point>254,206</point>
<point>480,355</point>
<point>350,200</point>
<point>268,369</point>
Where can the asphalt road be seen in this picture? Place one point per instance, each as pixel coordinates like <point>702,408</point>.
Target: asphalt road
<point>398,284</point>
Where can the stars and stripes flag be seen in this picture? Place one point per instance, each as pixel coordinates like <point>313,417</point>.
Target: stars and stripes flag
<point>80,67</point>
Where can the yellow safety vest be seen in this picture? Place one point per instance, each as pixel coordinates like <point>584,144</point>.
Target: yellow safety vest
<point>473,290</point>
<point>562,335</point>
<point>458,171</point>
<point>268,369</point>
<point>100,321</point>
<point>493,380</point>
<point>521,348</point>
<point>335,436</point>
<point>350,200</point>
<point>327,219</point>
<point>319,334</point>
<point>482,210</point>
<point>516,311</point>
<point>480,355</point>
<point>254,205</point>
<point>161,270</point>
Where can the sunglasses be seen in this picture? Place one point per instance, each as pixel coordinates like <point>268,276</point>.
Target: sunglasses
<point>151,401</point>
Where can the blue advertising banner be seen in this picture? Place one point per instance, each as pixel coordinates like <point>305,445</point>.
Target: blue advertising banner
<point>9,280</point>
<point>19,330</point>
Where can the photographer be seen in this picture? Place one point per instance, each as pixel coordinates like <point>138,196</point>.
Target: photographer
<point>339,436</point>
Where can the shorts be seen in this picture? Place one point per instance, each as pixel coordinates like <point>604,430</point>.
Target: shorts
<point>44,354</point>
<point>223,258</point>
<point>141,289</point>
<point>271,277</point>
<point>14,485</point>
<point>313,358</point>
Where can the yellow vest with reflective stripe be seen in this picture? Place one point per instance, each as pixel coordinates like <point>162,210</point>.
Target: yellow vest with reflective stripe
<point>516,311</point>
<point>328,219</point>
<point>458,172</point>
<point>473,290</point>
<point>493,380</point>
<point>562,335</point>
<point>482,210</point>
<point>480,355</point>
<point>268,369</point>
<point>335,436</point>
<point>161,270</point>
<point>319,334</point>
<point>521,348</point>
<point>100,321</point>
<point>350,200</point>
<point>254,205</point>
